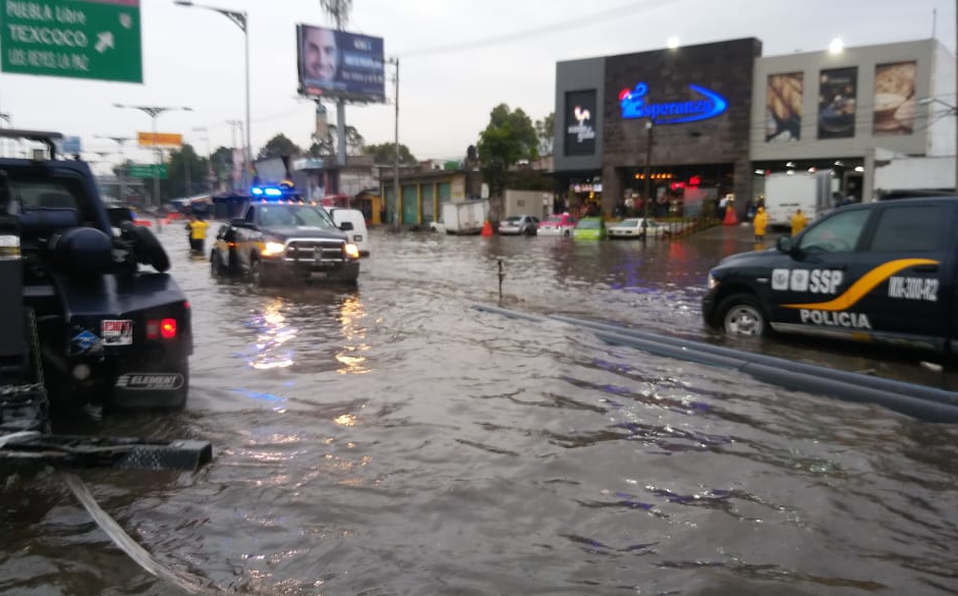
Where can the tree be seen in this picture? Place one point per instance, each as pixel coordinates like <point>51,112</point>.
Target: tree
<point>187,174</point>
<point>385,153</point>
<point>546,131</point>
<point>279,146</point>
<point>327,146</point>
<point>508,138</point>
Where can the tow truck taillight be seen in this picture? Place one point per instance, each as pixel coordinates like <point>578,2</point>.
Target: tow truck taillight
<point>161,329</point>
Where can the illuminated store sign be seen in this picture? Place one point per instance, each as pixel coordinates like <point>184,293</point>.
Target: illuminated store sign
<point>634,104</point>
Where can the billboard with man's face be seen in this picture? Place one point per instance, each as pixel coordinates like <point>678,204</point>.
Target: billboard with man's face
<point>340,64</point>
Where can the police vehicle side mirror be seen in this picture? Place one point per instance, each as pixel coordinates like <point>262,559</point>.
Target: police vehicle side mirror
<point>346,226</point>
<point>784,245</point>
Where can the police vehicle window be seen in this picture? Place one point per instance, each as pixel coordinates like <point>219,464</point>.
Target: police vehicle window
<point>909,228</point>
<point>275,216</point>
<point>839,233</point>
<point>311,216</point>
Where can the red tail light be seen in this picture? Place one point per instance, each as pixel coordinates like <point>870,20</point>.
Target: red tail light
<point>168,328</point>
<point>162,328</point>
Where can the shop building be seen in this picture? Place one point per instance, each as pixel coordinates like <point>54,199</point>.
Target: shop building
<point>671,124</point>
<point>853,112</point>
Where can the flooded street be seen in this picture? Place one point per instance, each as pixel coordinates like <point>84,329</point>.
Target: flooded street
<point>394,440</point>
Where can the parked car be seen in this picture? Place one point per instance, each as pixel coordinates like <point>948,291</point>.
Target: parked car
<point>519,225</point>
<point>633,228</point>
<point>557,225</point>
<point>590,228</point>
<point>883,272</point>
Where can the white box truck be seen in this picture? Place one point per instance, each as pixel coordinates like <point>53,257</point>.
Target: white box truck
<point>784,193</point>
<point>465,217</point>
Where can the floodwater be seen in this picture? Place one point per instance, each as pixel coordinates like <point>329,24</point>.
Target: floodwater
<point>394,440</point>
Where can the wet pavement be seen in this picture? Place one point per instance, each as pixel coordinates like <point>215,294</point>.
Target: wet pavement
<point>394,440</point>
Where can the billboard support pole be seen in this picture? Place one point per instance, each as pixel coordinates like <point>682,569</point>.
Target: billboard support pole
<point>341,137</point>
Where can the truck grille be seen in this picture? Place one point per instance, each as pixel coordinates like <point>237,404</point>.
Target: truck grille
<point>315,251</point>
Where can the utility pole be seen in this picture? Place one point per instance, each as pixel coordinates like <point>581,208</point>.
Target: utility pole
<point>237,124</point>
<point>396,190</point>
<point>648,181</point>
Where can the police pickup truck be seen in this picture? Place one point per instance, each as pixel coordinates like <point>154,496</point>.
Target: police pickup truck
<point>882,272</point>
<point>282,238</point>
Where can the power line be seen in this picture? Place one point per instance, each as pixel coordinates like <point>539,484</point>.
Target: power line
<point>593,19</point>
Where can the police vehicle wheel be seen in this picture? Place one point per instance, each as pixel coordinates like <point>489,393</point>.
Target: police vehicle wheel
<point>256,275</point>
<point>741,314</point>
<point>216,265</point>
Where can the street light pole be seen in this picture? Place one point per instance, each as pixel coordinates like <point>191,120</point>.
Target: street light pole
<point>154,112</point>
<point>648,182</point>
<point>239,18</point>
<point>119,141</point>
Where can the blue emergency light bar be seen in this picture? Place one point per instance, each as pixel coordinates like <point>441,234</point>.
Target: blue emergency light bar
<point>269,191</point>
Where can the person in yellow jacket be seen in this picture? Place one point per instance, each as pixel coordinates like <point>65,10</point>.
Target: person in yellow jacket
<point>799,221</point>
<point>197,228</point>
<point>759,223</point>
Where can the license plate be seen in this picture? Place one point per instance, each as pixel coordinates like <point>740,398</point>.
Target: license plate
<point>317,274</point>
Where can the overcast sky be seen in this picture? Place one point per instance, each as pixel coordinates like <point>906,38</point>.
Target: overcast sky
<point>458,60</point>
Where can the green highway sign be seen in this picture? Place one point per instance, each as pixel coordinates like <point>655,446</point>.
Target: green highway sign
<point>84,39</point>
<point>145,170</point>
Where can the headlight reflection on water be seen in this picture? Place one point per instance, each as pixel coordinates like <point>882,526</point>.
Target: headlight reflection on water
<point>274,332</point>
<point>350,356</point>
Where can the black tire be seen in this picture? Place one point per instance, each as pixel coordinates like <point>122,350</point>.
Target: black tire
<point>257,276</point>
<point>217,269</point>
<point>742,315</point>
<point>566,234</point>
<point>146,248</point>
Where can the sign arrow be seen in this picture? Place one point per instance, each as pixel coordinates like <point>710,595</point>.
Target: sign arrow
<point>104,41</point>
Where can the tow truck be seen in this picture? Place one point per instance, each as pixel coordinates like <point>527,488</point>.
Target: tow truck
<point>281,237</point>
<point>82,323</point>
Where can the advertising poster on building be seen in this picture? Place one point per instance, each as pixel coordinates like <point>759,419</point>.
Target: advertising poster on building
<point>340,64</point>
<point>580,115</point>
<point>783,107</point>
<point>837,99</point>
<point>895,98</point>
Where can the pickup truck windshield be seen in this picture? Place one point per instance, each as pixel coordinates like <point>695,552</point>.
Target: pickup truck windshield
<point>294,215</point>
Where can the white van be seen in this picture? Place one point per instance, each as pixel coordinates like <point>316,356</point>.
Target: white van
<point>359,235</point>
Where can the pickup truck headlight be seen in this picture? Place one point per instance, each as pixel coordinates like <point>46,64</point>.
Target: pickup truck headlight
<point>273,248</point>
<point>352,251</point>
<point>713,283</point>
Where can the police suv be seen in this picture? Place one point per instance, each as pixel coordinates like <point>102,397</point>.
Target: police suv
<point>882,272</point>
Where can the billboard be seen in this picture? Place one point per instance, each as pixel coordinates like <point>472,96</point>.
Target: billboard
<point>895,98</point>
<point>165,140</point>
<point>783,107</point>
<point>837,96</point>
<point>580,117</point>
<point>335,63</point>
